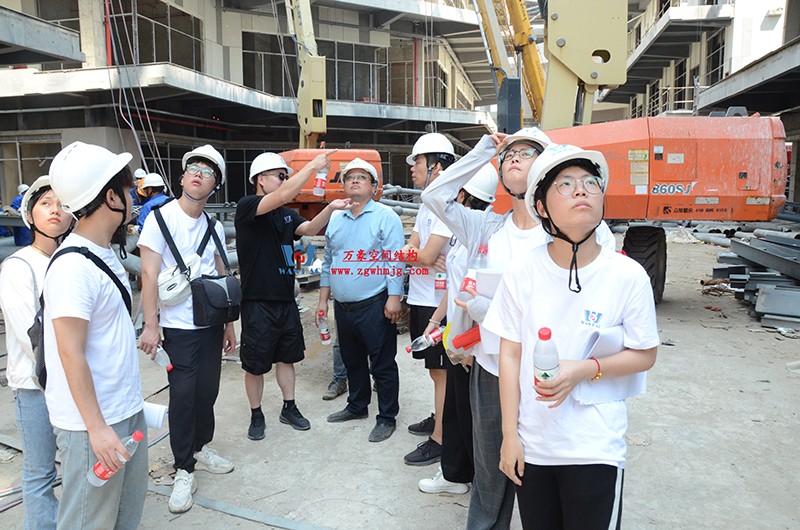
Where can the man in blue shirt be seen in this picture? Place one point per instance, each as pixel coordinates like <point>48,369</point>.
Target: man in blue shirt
<point>22,234</point>
<point>153,187</point>
<point>366,280</point>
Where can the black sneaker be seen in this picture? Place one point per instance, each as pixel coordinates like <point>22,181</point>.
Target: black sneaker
<point>291,416</point>
<point>423,428</point>
<point>256,430</point>
<point>426,453</point>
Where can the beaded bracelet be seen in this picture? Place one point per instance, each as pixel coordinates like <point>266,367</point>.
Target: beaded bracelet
<point>599,374</point>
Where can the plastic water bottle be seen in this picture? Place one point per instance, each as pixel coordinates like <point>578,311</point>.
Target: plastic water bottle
<point>162,359</point>
<point>99,475</point>
<point>423,342</point>
<point>320,180</point>
<point>545,358</point>
<point>479,261</point>
<point>324,329</point>
<point>440,282</point>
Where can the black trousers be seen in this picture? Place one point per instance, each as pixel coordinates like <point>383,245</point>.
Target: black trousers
<point>580,497</point>
<point>457,457</point>
<point>196,357</point>
<point>368,340</point>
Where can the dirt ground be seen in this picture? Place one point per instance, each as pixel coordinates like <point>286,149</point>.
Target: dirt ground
<point>713,444</point>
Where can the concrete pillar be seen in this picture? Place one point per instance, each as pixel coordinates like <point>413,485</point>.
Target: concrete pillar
<point>93,33</point>
<point>791,27</point>
<point>419,71</point>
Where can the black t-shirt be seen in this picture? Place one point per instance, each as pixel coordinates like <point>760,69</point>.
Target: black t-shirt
<point>265,246</point>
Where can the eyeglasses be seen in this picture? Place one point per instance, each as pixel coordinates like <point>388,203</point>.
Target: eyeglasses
<point>524,154</point>
<point>204,172</point>
<point>281,175</point>
<point>566,186</point>
<point>356,176</point>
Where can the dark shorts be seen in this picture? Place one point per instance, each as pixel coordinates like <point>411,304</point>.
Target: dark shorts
<point>271,333</point>
<point>435,356</point>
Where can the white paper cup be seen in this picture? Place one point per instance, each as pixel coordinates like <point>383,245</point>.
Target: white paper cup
<point>487,281</point>
<point>154,415</point>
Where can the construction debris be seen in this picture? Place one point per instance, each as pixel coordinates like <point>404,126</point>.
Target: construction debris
<point>762,269</point>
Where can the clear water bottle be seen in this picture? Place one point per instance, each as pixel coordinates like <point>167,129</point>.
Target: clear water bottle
<point>478,261</point>
<point>545,358</point>
<point>162,359</point>
<point>320,180</point>
<point>423,342</point>
<point>324,329</point>
<point>98,475</point>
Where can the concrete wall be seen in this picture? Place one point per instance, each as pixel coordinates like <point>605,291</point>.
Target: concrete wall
<point>757,30</point>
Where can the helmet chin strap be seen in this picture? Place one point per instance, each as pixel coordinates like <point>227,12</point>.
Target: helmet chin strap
<point>573,264</point>
<point>428,177</point>
<point>120,235</point>
<point>192,199</point>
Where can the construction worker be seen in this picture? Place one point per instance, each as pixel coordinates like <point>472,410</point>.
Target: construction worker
<point>153,187</point>
<point>22,234</point>
<point>21,279</point>
<point>508,238</point>
<point>193,351</point>
<point>271,328</point>
<point>367,285</point>
<point>564,438</point>
<point>432,153</point>
<point>457,467</point>
<point>93,389</point>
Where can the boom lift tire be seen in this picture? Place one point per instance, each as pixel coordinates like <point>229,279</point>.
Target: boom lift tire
<point>648,246</point>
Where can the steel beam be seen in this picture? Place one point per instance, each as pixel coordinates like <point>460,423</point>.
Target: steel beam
<point>781,259</point>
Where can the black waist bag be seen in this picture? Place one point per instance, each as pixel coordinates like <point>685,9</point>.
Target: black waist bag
<point>216,299</point>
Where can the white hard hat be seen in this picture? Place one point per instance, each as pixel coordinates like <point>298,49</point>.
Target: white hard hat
<point>483,184</point>
<point>41,182</point>
<point>153,180</point>
<point>80,171</point>
<point>428,144</point>
<point>528,134</point>
<point>139,173</point>
<point>22,188</point>
<point>209,153</point>
<point>358,163</point>
<point>554,155</point>
<point>267,162</point>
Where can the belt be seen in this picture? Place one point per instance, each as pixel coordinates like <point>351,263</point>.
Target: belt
<point>354,306</point>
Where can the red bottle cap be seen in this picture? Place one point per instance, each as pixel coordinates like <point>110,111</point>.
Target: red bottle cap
<point>321,313</point>
<point>170,367</point>
<point>468,339</point>
<point>408,349</point>
<point>545,334</point>
<point>138,436</point>
<point>483,249</point>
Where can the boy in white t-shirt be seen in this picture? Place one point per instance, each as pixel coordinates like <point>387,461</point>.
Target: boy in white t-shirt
<point>93,390</point>
<point>563,438</point>
<point>432,153</point>
<point>193,351</point>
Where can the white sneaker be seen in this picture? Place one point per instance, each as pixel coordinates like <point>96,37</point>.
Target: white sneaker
<point>209,460</point>
<point>181,499</point>
<point>438,484</point>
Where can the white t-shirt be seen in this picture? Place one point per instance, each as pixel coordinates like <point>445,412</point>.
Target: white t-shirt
<point>534,294</point>
<point>187,232</point>
<point>76,287</point>
<point>511,245</point>
<point>19,309</point>
<point>422,287</point>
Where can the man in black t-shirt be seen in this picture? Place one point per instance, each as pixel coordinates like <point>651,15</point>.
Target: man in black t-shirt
<point>265,234</point>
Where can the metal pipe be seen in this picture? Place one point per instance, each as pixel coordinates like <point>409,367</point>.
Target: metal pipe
<point>401,204</point>
<point>394,189</point>
<point>764,233</point>
<point>714,239</point>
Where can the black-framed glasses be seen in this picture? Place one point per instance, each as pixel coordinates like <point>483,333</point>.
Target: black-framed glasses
<point>566,186</point>
<point>524,153</point>
<point>204,172</point>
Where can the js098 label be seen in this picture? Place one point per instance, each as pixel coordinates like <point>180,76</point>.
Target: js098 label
<point>673,189</point>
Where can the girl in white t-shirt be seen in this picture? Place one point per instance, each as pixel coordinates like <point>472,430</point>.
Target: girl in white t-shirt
<point>21,280</point>
<point>563,438</point>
